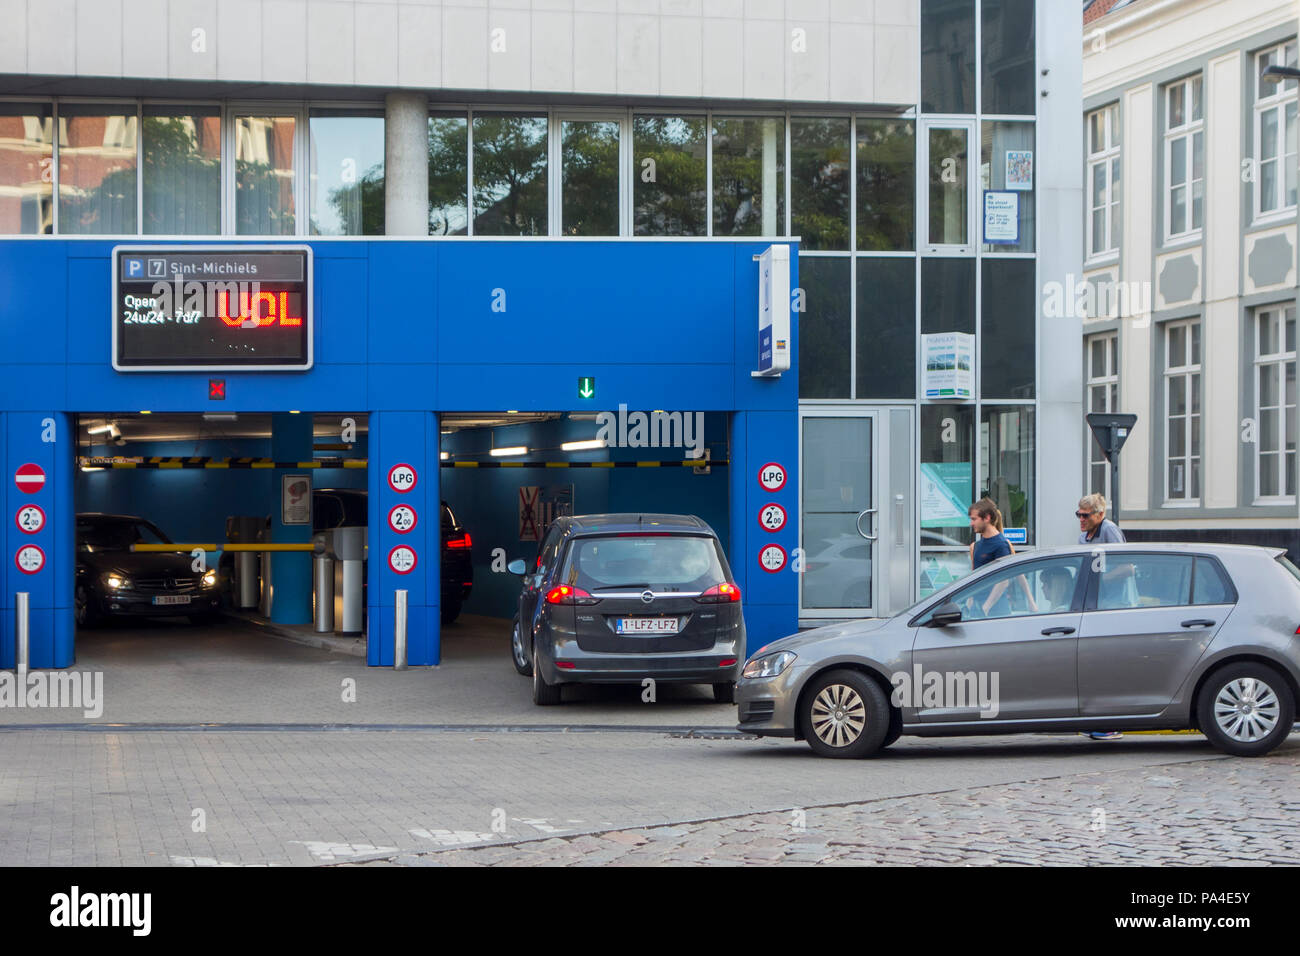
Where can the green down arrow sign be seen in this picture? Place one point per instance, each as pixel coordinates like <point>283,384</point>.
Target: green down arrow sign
<point>587,387</point>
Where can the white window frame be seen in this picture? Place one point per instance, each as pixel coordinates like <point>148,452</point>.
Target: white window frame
<point>1108,382</point>
<point>974,197</point>
<point>301,144</point>
<point>1183,138</point>
<point>1274,98</point>
<point>1104,159</point>
<point>1278,315</point>
<point>1190,372</point>
<point>555,171</point>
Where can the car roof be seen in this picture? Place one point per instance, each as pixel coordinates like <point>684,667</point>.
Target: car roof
<point>1199,547</point>
<point>632,521</point>
<point>106,516</point>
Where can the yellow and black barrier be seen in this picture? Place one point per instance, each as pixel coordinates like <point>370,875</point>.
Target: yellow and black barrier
<point>212,546</point>
<point>248,463</point>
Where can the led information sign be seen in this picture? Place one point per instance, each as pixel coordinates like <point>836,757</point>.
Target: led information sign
<point>212,308</point>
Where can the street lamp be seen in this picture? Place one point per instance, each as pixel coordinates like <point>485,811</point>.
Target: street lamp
<point>1276,74</point>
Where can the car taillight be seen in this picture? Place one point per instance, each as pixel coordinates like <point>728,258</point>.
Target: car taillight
<point>464,542</point>
<point>720,594</point>
<point>568,594</point>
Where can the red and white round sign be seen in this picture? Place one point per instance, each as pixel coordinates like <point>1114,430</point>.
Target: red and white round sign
<point>30,519</point>
<point>771,476</point>
<point>772,517</point>
<point>29,559</point>
<point>402,559</point>
<point>401,518</point>
<point>29,478</point>
<point>401,478</point>
<point>772,557</point>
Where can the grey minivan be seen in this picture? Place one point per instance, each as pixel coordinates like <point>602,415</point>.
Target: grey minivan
<point>1119,637</point>
<point>617,598</point>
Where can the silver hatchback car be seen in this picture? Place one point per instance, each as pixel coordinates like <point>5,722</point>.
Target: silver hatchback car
<point>1118,637</point>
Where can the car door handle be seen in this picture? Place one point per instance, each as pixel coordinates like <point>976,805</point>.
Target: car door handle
<point>1048,631</point>
<point>1199,622</point>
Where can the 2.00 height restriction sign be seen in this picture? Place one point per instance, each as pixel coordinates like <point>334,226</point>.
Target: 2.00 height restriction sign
<point>212,308</point>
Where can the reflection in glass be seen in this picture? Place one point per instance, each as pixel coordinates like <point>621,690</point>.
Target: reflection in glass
<point>825,328</point>
<point>670,184</point>
<point>1007,56</point>
<point>836,487</point>
<point>347,174</point>
<point>886,184</point>
<point>97,174</point>
<point>948,203</point>
<point>509,175</point>
<point>448,175</point>
<point>181,177</point>
<point>1003,144</point>
<point>947,475</point>
<point>948,56</point>
<point>264,175</point>
<point>749,176</point>
<point>589,177</point>
<point>1007,463</point>
<point>26,170</point>
<point>819,182</point>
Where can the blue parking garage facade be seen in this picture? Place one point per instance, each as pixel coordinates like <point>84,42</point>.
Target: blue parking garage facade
<point>406,331</point>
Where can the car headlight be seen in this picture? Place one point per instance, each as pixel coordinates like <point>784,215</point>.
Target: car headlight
<point>117,581</point>
<point>210,579</point>
<point>769,665</point>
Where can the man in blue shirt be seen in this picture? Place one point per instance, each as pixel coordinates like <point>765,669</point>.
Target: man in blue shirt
<point>1094,526</point>
<point>990,543</point>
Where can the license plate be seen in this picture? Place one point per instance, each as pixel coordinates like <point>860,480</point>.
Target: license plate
<point>172,599</point>
<point>646,625</point>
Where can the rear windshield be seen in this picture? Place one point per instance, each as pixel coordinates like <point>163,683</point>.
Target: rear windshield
<point>1291,569</point>
<point>659,562</point>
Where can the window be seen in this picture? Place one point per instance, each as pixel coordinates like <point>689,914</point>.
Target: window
<point>97,170</point>
<point>1007,463</point>
<point>265,175</point>
<point>948,56</point>
<point>819,182</point>
<point>1007,168</point>
<point>948,191</point>
<point>1182,387</point>
<point>1007,319</point>
<point>1145,580</point>
<point>1104,227</point>
<point>947,295</point>
<point>181,173</point>
<point>825,327</point>
<point>1038,587</point>
<point>347,174</point>
<point>1275,133</point>
<point>886,184</point>
<point>1184,158</point>
<point>448,174</point>
<point>1275,403</point>
<point>886,340</point>
<point>1007,56</point>
<point>510,165</point>
<point>669,176</point>
<point>749,176</point>
<point>1101,353</point>
<point>26,170</point>
<point>1210,584</point>
<point>589,177</point>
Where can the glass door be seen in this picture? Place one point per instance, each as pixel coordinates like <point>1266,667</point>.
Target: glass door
<point>839,520</point>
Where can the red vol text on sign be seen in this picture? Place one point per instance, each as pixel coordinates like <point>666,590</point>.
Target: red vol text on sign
<point>29,478</point>
<point>401,478</point>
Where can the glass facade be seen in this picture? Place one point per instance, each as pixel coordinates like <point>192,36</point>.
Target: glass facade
<point>819,182</point>
<point>181,175</point>
<point>347,174</point>
<point>448,175</point>
<point>669,176</point>
<point>510,166</point>
<point>97,170</point>
<point>265,175</point>
<point>749,176</point>
<point>589,180</point>
<point>26,170</point>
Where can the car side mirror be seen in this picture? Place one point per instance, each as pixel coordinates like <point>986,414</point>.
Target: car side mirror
<point>945,614</point>
<point>517,566</point>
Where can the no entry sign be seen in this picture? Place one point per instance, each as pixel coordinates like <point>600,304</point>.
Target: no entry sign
<point>29,478</point>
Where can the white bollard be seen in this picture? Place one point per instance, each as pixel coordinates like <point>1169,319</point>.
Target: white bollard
<point>22,633</point>
<point>399,632</point>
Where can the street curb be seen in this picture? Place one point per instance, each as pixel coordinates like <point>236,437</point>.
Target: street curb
<point>356,646</point>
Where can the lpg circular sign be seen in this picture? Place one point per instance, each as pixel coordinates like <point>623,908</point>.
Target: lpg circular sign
<point>402,559</point>
<point>771,476</point>
<point>401,478</point>
<point>772,558</point>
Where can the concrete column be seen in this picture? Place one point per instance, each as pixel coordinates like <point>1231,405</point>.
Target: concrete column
<point>291,440</point>
<point>406,164</point>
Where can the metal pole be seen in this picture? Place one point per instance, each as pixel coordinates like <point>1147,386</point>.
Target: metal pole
<point>399,632</point>
<point>1114,487</point>
<point>22,633</point>
<point>323,565</point>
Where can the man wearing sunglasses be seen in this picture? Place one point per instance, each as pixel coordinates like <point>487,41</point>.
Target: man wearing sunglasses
<point>1094,526</point>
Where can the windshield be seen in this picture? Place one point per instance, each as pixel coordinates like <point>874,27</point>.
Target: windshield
<point>1291,569</point>
<point>117,535</point>
<point>658,562</point>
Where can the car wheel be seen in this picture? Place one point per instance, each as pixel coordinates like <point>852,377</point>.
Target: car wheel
<point>1245,709</point>
<point>844,714</point>
<point>83,607</point>
<point>895,728</point>
<point>724,692</point>
<point>544,694</point>
<point>450,611</point>
<point>518,652</point>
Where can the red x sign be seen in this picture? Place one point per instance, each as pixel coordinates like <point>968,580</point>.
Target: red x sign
<point>216,389</point>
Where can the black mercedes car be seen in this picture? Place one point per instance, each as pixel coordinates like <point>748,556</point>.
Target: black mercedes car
<point>114,581</point>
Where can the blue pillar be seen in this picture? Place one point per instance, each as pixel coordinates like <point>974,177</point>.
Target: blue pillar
<point>46,440</point>
<point>291,440</point>
<point>411,439</point>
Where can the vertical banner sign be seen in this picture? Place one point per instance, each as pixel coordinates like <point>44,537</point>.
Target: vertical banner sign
<point>295,499</point>
<point>773,312</point>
